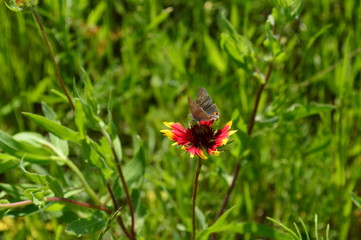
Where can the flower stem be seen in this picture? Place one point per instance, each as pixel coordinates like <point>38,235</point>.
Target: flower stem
<point>55,199</point>
<point>194,197</point>
<point>249,131</point>
<point>57,71</point>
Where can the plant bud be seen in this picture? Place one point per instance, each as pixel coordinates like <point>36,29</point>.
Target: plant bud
<point>21,5</point>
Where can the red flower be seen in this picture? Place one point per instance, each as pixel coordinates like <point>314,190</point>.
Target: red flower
<point>199,137</point>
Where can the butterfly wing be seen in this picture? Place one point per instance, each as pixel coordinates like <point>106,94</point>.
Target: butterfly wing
<point>212,110</point>
<point>203,98</point>
<point>198,114</point>
<point>206,103</point>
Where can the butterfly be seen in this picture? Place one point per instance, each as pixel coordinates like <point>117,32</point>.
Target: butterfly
<point>203,108</point>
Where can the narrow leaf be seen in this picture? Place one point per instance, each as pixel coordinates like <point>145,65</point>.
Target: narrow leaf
<point>298,110</point>
<point>54,127</point>
<point>86,225</point>
<point>356,200</point>
<point>47,180</point>
<point>80,119</point>
<point>241,228</point>
<point>24,150</point>
<point>109,223</point>
<point>8,162</point>
<point>135,169</point>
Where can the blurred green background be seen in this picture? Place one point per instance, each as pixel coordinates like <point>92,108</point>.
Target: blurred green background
<point>152,55</point>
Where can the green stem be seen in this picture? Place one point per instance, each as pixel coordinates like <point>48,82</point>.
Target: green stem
<point>194,197</point>
<point>57,71</point>
<point>81,177</point>
<point>72,166</point>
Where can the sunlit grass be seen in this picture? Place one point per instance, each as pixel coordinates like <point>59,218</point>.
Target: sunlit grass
<point>146,58</point>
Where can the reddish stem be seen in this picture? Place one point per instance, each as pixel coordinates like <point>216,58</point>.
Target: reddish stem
<point>125,186</point>
<point>56,199</point>
<point>57,71</point>
<point>119,218</point>
<point>249,131</point>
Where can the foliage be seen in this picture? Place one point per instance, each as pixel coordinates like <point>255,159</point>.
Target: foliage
<point>129,66</point>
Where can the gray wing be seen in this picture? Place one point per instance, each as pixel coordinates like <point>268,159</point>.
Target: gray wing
<point>198,114</point>
<point>203,98</point>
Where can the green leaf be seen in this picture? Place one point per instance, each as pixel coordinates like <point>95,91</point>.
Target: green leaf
<point>89,102</point>
<point>118,148</point>
<point>80,119</point>
<point>241,228</point>
<point>271,42</point>
<point>4,210</point>
<point>23,149</point>
<point>54,127</point>
<point>237,46</point>
<point>159,19</point>
<point>8,162</point>
<point>55,186</point>
<point>49,113</point>
<point>61,95</point>
<point>94,156</point>
<point>47,180</point>
<point>36,195</point>
<point>59,144</point>
<point>297,111</point>
<point>135,169</point>
<point>110,220</point>
<point>12,190</point>
<point>25,211</point>
<point>356,199</point>
<point>214,55</point>
<point>317,35</point>
<point>86,225</point>
<point>96,13</point>
<point>286,10</point>
<point>89,107</point>
<point>217,226</point>
<point>285,228</point>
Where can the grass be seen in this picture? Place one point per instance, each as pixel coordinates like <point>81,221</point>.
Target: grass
<point>134,64</point>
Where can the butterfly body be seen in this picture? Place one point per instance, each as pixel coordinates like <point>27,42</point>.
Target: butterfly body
<point>203,109</point>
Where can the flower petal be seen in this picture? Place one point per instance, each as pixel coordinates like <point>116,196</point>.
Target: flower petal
<point>168,133</point>
<point>221,137</point>
<point>206,123</point>
<point>196,151</point>
<point>168,124</point>
<point>177,133</point>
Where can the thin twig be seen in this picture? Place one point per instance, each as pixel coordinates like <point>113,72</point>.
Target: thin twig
<point>129,200</point>
<point>124,183</point>
<point>194,197</point>
<point>225,200</point>
<point>249,131</point>
<point>258,97</point>
<point>119,218</point>
<point>56,199</point>
<point>57,71</point>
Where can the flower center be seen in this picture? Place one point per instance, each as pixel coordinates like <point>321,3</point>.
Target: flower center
<point>201,136</point>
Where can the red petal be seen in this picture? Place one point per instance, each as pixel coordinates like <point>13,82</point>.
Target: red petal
<point>196,151</point>
<point>206,123</point>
